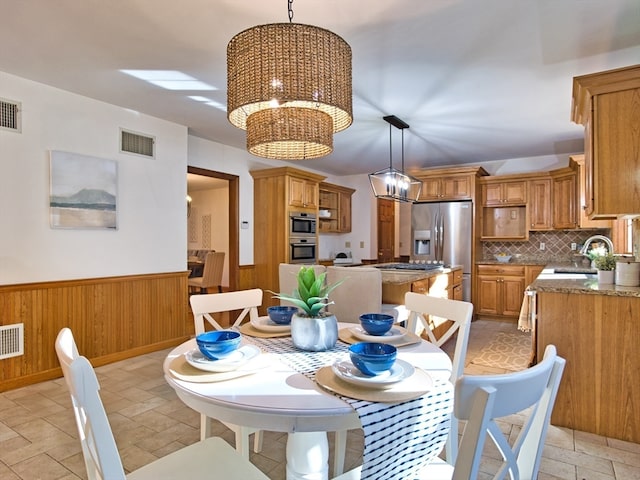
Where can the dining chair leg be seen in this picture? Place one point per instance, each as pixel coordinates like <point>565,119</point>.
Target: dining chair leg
<point>205,427</point>
<point>242,441</point>
<point>339,449</point>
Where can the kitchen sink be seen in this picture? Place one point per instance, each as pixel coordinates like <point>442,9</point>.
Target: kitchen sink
<point>573,270</point>
<point>419,267</point>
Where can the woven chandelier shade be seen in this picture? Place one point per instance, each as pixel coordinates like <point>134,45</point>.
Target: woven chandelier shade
<point>289,86</point>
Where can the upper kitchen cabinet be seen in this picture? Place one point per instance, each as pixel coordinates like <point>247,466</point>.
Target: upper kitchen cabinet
<point>583,220</point>
<point>335,208</point>
<point>303,192</point>
<point>608,105</point>
<point>565,199</point>
<point>497,192</point>
<point>540,204</point>
<point>449,183</point>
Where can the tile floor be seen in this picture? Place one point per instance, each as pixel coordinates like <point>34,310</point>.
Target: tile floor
<point>38,438</point>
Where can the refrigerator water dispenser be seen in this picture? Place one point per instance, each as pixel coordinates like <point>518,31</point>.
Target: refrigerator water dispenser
<point>422,242</point>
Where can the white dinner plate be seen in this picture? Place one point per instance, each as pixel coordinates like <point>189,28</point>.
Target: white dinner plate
<point>265,324</point>
<point>348,372</point>
<point>236,359</point>
<point>395,333</point>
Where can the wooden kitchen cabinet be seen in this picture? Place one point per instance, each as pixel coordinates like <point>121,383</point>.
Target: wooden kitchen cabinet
<point>500,290</point>
<point>607,104</point>
<point>336,200</point>
<point>565,200</point>
<point>276,193</point>
<point>449,183</point>
<point>500,193</point>
<point>303,193</point>
<point>540,204</point>
<point>584,222</point>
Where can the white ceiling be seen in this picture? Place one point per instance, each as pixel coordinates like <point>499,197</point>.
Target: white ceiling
<point>476,80</point>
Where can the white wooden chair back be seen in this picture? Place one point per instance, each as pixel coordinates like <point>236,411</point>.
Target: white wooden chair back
<point>361,292</point>
<point>481,399</point>
<point>204,305</point>
<point>288,279</point>
<point>99,449</point>
<point>420,306</point>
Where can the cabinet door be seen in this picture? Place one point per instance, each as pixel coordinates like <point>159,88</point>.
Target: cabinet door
<point>302,193</point>
<point>430,189</point>
<point>310,194</point>
<point>512,295</point>
<point>488,295</point>
<point>515,192</point>
<point>492,194</point>
<point>540,204</point>
<point>345,213</point>
<point>456,188</point>
<point>564,202</point>
<point>584,221</point>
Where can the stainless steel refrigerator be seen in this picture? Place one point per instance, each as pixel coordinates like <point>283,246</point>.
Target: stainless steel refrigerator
<point>442,232</point>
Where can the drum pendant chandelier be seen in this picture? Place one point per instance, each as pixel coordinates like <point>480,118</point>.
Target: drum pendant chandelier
<point>289,87</point>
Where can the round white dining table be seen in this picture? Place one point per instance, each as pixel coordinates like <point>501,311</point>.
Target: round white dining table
<point>277,398</point>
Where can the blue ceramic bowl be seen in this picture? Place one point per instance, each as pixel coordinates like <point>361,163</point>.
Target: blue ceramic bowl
<point>281,314</point>
<point>216,344</point>
<point>372,358</point>
<point>376,323</point>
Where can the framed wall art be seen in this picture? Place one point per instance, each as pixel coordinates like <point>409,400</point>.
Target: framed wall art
<point>84,191</point>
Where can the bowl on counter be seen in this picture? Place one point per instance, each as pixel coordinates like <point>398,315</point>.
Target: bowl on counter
<point>372,358</point>
<point>216,344</point>
<point>503,258</point>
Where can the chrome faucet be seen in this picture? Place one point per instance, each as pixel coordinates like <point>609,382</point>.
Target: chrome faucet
<point>596,238</point>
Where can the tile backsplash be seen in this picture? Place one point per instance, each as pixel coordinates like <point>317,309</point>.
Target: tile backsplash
<point>557,245</point>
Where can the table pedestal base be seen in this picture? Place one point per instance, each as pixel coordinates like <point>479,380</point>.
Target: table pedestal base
<point>307,456</point>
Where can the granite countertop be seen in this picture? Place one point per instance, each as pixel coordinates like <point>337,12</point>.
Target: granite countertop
<point>399,277</point>
<point>580,283</point>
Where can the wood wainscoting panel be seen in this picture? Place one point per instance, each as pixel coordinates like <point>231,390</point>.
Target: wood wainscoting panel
<point>111,318</point>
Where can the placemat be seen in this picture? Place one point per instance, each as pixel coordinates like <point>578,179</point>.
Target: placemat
<point>347,336</point>
<point>413,387</point>
<point>180,369</point>
<point>251,331</point>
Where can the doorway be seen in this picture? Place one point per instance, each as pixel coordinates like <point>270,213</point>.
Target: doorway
<point>233,253</point>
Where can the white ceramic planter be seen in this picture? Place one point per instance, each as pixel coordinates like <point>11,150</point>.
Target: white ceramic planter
<point>314,334</point>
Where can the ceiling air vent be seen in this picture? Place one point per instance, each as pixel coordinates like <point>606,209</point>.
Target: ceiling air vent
<point>131,142</point>
<point>10,115</point>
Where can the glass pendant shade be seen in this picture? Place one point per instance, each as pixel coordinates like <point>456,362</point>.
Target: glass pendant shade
<point>289,86</point>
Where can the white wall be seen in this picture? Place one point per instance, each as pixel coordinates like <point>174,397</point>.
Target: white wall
<point>151,234</point>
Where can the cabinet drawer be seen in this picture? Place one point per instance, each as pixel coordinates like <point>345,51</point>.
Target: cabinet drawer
<point>421,286</point>
<point>457,277</point>
<point>515,270</point>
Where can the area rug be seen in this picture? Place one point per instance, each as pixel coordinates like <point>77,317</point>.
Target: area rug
<point>509,351</point>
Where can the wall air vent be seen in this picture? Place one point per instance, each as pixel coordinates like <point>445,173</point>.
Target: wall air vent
<point>10,115</point>
<point>136,143</point>
<point>11,340</point>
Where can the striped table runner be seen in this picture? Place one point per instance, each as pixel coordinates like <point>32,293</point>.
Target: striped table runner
<point>398,438</point>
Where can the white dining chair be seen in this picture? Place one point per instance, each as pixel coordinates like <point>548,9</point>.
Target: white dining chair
<point>288,277</point>
<point>203,308</point>
<point>423,311</point>
<point>481,400</point>
<point>99,449</point>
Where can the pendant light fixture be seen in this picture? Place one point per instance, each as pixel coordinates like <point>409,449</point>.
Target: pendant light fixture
<point>391,183</point>
<point>289,87</point>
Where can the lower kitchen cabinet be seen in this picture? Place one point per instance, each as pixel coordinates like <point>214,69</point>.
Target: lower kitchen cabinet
<point>500,290</point>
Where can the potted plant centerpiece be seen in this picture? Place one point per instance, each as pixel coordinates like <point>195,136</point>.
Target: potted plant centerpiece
<point>313,328</point>
<point>605,264</point>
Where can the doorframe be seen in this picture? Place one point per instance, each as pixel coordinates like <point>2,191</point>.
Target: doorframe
<point>234,219</point>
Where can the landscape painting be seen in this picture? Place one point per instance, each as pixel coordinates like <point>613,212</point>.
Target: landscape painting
<point>83,191</point>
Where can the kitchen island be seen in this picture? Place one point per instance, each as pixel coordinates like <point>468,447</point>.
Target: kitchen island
<point>596,328</point>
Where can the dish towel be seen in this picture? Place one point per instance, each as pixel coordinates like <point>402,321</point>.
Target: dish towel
<point>400,438</point>
<point>527,318</point>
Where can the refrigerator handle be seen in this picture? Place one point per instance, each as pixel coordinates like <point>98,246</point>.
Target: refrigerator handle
<point>436,229</point>
<point>441,239</point>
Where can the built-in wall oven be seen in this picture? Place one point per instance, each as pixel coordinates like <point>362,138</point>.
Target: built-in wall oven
<point>302,250</point>
<point>302,224</point>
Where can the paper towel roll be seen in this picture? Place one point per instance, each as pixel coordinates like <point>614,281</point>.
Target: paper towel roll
<point>628,274</point>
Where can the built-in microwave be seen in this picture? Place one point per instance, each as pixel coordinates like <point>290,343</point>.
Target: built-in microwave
<point>302,250</point>
<point>302,224</point>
